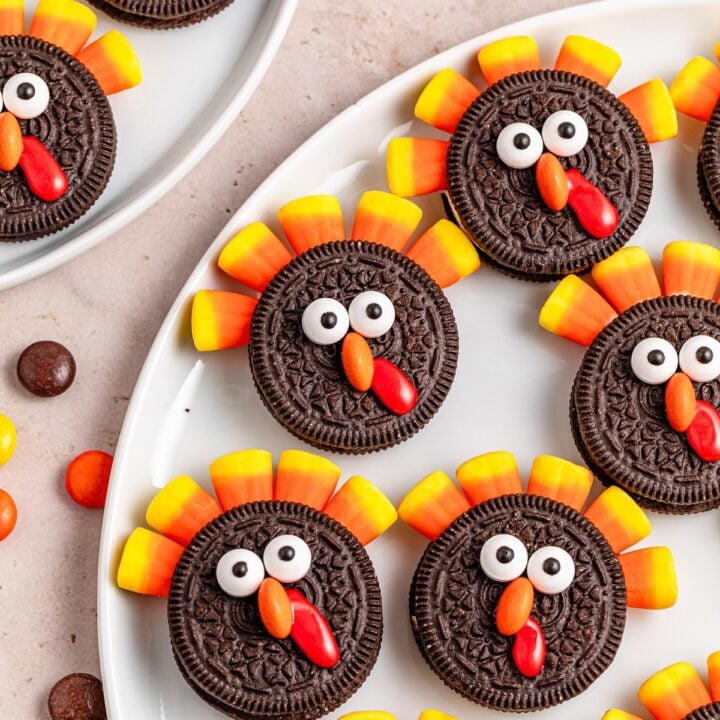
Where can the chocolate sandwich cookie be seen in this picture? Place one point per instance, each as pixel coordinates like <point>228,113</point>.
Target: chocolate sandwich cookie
<point>644,403</point>
<point>250,673</point>
<point>679,693</point>
<point>353,345</point>
<point>520,600</point>
<point>57,133</point>
<point>161,14</point>
<point>709,167</point>
<point>302,382</point>
<point>274,608</point>
<point>76,127</point>
<point>547,171</point>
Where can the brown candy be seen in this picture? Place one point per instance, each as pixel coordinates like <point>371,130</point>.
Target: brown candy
<point>46,368</point>
<point>77,697</point>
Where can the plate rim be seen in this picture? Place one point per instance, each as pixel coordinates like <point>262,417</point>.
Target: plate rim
<point>423,69</point>
<point>281,13</point>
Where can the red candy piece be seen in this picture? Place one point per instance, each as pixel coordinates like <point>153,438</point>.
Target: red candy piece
<point>393,387</point>
<point>311,632</point>
<point>593,208</point>
<point>44,176</point>
<point>529,649</point>
<point>704,432</point>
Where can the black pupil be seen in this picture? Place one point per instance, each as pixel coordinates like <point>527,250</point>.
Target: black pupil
<point>328,320</point>
<point>521,141</point>
<point>240,569</point>
<point>286,553</point>
<point>704,355</point>
<point>26,91</point>
<point>373,311</point>
<point>566,130</point>
<point>656,357</point>
<point>551,566</point>
<point>505,555</point>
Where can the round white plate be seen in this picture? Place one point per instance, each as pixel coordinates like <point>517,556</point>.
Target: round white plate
<point>511,392</point>
<point>168,123</point>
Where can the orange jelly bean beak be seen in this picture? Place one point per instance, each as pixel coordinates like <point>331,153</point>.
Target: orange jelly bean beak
<point>357,361</point>
<point>514,607</point>
<point>552,182</point>
<point>275,609</point>
<point>680,402</point>
<point>11,144</point>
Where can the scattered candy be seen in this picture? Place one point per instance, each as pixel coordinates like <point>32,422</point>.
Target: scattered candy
<point>393,388</point>
<point>507,56</point>
<point>274,607</point>
<point>552,182</point>
<point>445,99</point>
<point>627,277</point>
<point>691,268</point>
<point>653,108</point>
<point>311,632</point>
<point>64,23</point>
<point>11,142</point>
<point>8,514</point>
<point>44,176</point>
<point>594,210</point>
<point>46,368</point>
<point>304,477</point>
<point>357,361</point>
<point>311,221</point>
<point>87,478</point>
<point>529,650</point>
<point>77,697</point>
<point>514,607</point>
<point>560,480</point>
<point>385,218</point>
<point>416,166</point>
<point>8,438</point>
<point>589,58</point>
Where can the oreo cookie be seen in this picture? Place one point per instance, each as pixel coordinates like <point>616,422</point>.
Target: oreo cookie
<point>274,609</point>
<point>643,407</point>
<point>161,14</point>
<point>353,345</point>
<point>57,122</point>
<point>519,602</point>
<point>679,692</point>
<point>709,167</point>
<point>547,171</point>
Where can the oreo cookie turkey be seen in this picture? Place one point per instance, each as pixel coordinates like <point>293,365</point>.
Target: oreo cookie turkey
<point>678,693</point>
<point>520,600</point>
<point>353,344</point>
<point>695,92</point>
<point>274,609</point>
<point>644,404</point>
<point>546,170</point>
<point>57,134</point>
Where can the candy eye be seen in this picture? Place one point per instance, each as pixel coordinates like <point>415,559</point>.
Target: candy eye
<point>565,133</point>
<point>240,572</point>
<point>371,314</point>
<point>654,361</point>
<point>325,321</point>
<point>700,358</point>
<point>519,145</point>
<point>287,558</point>
<point>26,95</point>
<point>503,558</point>
<point>551,570</point>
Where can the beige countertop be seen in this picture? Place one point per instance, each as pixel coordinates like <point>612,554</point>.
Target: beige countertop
<point>107,305</point>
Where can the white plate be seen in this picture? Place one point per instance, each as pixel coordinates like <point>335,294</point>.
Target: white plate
<point>167,124</point>
<point>511,392</point>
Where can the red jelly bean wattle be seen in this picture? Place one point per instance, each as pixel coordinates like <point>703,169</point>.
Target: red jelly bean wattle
<point>529,649</point>
<point>44,176</point>
<point>393,387</point>
<point>593,208</point>
<point>703,434</point>
<point>311,632</point>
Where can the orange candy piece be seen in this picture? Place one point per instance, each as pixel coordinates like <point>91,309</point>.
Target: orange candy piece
<point>87,478</point>
<point>680,402</point>
<point>514,606</point>
<point>11,143</point>
<point>560,480</point>
<point>626,278</point>
<point>386,219</point>
<point>445,99</point>
<point>311,221</point>
<point>589,58</point>
<point>8,514</point>
<point>306,478</point>
<point>691,268</point>
<point>221,319</point>
<point>488,476</point>
<point>713,664</point>
<point>552,182</point>
<point>649,578</point>
<point>242,477</point>
<point>113,62</point>
<point>12,17</point>
<point>148,562</point>
<point>673,693</point>
<point>357,361</point>
<point>653,108</point>
<point>416,166</point>
<point>507,57</point>
<point>696,88</point>
<point>274,607</point>
<point>65,23</point>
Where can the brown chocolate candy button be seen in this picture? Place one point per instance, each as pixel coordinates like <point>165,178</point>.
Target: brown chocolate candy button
<point>77,697</point>
<point>46,368</point>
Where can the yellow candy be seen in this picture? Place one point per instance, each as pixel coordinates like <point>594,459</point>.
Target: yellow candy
<point>8,439</point>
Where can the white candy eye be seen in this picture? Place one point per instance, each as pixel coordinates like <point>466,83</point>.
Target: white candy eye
<point>503,558</point>
<point>700,358</point>
<point>371,314</point>
<point>654,361</point>
<point>287,558</point>
<point>565,133</point>
<point>325,321</point>
<point>26,95</point>
<point>240,572</point>
<point>551,570</point>
<point>519,145</point>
